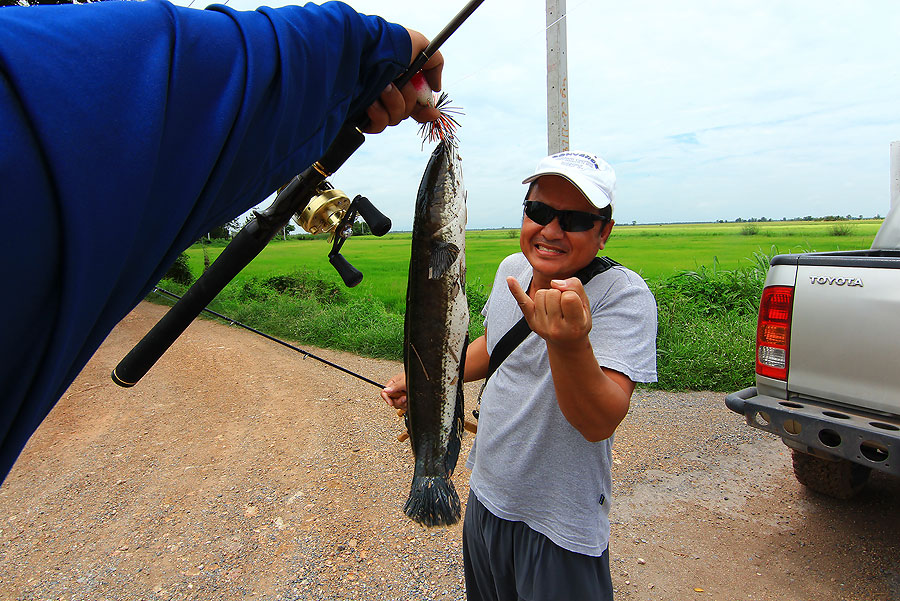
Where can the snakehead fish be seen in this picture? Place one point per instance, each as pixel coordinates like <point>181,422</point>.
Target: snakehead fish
<point>435,338</point>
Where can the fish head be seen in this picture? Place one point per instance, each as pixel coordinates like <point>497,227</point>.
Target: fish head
<point>441,201</point>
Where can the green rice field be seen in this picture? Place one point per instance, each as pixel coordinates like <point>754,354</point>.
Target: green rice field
<point>655,251</point>
<point>707,279</point>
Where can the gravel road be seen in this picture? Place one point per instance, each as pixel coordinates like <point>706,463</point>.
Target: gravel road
<point>236,469</point>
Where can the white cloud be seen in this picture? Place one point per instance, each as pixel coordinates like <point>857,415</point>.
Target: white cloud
<point>707,110</point>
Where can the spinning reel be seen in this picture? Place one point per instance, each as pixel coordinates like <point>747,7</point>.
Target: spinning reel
<point>331,211</point>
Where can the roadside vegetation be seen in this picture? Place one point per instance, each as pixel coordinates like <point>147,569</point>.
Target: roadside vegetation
<point>706,334</point>
<point>706,306</point>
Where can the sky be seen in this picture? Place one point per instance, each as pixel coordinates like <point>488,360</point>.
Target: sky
<point>706,110</point>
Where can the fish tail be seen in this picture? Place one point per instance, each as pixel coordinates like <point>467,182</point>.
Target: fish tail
<point>433,501</point>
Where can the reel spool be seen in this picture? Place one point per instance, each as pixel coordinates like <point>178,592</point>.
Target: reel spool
<point>324,212</point>
<point>332,211</point>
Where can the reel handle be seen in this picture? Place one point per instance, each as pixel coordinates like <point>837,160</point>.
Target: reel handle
<point>378,222</point>
<point>350,274</point>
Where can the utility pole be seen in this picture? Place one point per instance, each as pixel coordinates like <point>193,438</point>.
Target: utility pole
<point>557,78</point>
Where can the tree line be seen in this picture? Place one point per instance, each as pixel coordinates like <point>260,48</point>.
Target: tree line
<point>806,218</point>
<point>226,231</point>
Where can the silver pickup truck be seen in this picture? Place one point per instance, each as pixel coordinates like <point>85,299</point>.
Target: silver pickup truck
<point>828,362</point>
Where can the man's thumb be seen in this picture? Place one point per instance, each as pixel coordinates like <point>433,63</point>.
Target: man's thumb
<point>525,303</point>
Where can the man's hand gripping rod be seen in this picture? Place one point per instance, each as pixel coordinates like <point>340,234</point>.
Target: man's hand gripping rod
<point>254,236</point>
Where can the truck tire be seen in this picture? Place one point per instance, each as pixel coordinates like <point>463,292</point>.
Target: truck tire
<point>840,478</point>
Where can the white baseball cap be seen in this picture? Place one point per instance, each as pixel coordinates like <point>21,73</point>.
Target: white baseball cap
<point>588,172</point>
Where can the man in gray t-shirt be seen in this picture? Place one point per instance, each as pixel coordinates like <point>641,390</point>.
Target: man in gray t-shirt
<point>536,524</point>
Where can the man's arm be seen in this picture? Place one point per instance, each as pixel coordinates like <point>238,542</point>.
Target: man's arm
<point>138,126</point>
<point>477,360</point>
<point>593,399</point>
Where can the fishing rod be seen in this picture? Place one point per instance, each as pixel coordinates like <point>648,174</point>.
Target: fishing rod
<point>311,200</point>
<point>469,426</point>
<point>305,354</point>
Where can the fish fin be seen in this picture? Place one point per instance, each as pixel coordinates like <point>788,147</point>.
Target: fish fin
<point>443,254</point>
<point>459,414</point>
<point>433,501</point>
<point>455,442</point>
<point>407,423</point>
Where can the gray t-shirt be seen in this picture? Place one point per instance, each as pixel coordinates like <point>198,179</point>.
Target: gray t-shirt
<point>528,463</point>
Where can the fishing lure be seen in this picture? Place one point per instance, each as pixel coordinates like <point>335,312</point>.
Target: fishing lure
<point>443,129</point>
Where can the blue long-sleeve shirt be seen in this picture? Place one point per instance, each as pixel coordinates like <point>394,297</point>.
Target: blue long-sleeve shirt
<point>127,130</point>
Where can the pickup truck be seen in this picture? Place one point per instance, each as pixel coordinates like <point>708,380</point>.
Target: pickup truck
<point>828,362</point>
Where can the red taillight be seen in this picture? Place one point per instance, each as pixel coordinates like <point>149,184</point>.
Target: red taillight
<point>773,332</point>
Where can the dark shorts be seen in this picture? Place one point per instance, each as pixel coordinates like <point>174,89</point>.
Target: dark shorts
<point>508,561</point>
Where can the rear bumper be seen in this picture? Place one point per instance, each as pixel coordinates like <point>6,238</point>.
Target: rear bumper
<point>736,400</point>
<point>823,429</point>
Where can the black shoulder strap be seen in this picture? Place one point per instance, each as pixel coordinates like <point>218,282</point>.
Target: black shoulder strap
<point>520,331</point>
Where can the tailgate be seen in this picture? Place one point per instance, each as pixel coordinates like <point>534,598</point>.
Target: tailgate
<point>845,335</point>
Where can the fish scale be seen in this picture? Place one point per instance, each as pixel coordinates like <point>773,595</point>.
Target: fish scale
<point>436,337</point>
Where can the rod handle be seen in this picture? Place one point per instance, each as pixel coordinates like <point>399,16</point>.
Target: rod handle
<point>246,244</point>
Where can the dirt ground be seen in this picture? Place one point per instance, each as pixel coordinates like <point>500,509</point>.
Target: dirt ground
<point>236,469</point>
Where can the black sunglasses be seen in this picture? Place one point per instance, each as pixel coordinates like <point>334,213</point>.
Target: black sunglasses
<point>569,221</point>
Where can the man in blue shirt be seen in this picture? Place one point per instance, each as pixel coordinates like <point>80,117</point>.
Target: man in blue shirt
<point>128,129</point>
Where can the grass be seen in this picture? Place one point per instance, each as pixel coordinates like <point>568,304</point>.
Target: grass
<point>658,251</point>
<point>707,327</point>
<point>707,279</point>
<point>654,251</point>
<point>842,229</point>
<point>384,261</point>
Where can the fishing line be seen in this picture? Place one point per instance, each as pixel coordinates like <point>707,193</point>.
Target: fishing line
<point>305,354</point>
